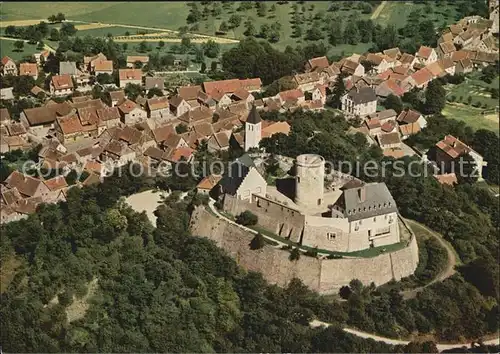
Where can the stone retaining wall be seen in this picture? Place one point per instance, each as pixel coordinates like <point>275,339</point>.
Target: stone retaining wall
<point>322,275</point>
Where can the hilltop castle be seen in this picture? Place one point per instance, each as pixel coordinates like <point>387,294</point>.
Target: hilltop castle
<point>351,217</point>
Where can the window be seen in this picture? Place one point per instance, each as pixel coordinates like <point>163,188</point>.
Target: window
<point>331,235</point>
<point>298,179</point>
<point>319,201</point>
<point>375,219</point>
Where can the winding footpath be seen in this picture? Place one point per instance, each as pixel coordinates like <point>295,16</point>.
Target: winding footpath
<point>445,273</point>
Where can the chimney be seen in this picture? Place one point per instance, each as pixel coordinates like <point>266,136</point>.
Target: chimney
<point>362,194</point>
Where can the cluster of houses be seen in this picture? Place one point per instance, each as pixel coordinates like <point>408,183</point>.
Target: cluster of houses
<point>89,135</point>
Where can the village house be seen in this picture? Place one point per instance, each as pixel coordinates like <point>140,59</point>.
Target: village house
<point>189,93</point>
<point>196,116</point>
<point>410,116</point>
<point>464,66</point>
<point>4,117</point>
<point>426,55</point>
<point>448,152</point>
<point>232,85</point>
<point>116,154</point>
<point>102,67</point>
<point>68,68</point>
<point>204,99</point>
<point>243,96</point>
<point>207,184</point>
<point>110,116</point>
<point>389,140</point>
<point>26,185</point>
<point>178,106</point>
<point>295,96</point>
<point>436,69</point>
<point>130,76</point>
<point>359,102</point>
<point>350,67</point>
<point>379,62</point>
<point>408,60</point>
<point>131,112</point>
<point>154,82</point>
<point>133,59</point>
<point>448,65</point>
<point>419,79</point>
<point>219,141</point>
<point>446,49</point>
<point>116,97</point>
<point>180,154</point>
<point>61,85</point>
<point>89,61</point>
<point>316,63</point>
<point>158,108</point>
<point>9,66</point>
<point>41,58</point>
<point>494,10</point>
<point>28,69</point>
<point>483,59</point>
<point>222,100</point>
<point>445,37</point>
<point>161,133</point>
<point>465,39</point>
<point>307,81</point>
<point>393,53</point>
<point>389,87</point>
<point>7,93</point>
<point>71,129</point>
<point>486,44</point>
<point>40,120</point>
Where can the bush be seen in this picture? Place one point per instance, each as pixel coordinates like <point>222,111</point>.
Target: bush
<point>452,98</point>
<point>247,218</point>
<point>295,254</point>
<point>476,104</point>
<point>258,242</point>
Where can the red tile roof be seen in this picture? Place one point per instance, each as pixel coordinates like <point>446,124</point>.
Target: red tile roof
<point>447,178</point>
<point>291,95</point>
<point>29,69</point>
<point>209,182</point>
<point>62,81</point>
<point>103,65</point>
<point>424,52</point>
<point>6,59</point>
<point>318,62</point>
<point>453,147</point>
<point>179,153</point>
<point>231,85</point>
<point>130,74</point>
<point>422,76</point>
<point>56,183</point>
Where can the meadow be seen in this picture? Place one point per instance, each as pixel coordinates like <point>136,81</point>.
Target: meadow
<point>7,49</point>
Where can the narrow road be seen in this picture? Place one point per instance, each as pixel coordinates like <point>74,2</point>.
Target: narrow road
<point>447,272</point>
<point>378,10</point>
<point>392,341</point>
<point>214,38</point>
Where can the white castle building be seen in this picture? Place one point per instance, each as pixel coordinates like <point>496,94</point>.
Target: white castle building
<point>352,217</point>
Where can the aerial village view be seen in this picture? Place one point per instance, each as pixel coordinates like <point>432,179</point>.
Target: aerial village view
<point>249,176</point>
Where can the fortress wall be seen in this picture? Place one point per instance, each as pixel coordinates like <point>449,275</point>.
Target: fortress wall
<point>272,262</point>
<point>325,276</point>
<point>316,229</point>
<point>273,216</point>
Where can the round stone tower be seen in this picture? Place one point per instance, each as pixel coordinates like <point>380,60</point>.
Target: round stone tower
<point>309,180</point>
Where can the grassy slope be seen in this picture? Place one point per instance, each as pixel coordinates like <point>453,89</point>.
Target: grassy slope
<point>7,48</point>
<point>34,10</point>
<point>396,13</point>
<point>471,116</point>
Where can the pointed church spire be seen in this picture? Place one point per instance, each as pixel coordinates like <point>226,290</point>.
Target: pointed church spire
<point>253,116</point>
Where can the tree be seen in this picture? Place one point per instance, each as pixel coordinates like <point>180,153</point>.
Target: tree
<point>235,20</point>
<point>261,9</point>
<point>19,45</point>
<point>257,242</point>
<point>338,91</point>
<point>249,29</point>
<point>203,68</point>
<point>294,254</point>
<point>181,128</point>
<point>211,48</point>
<point>466,169</point>
<point>351,33</point>
<point>133,91</point>
<point>161,44</point>
<point>335,35</point>
<point>264,30</point>
<point>60,17</point>
<point>54,35</point>
<point>435,97</point>
<point>143,47</point>
<point>247,218</point>
<point>68,29</point>
<point>155,91</point>
<point>345,292</point>
<point>314,33</point>
<point>223,27</point>
<point>393,102</point>
<point>52,18</point>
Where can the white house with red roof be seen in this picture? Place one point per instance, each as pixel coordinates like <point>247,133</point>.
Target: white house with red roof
<point>9,66</point>
<point>450,149</point>
<point>426,55</point>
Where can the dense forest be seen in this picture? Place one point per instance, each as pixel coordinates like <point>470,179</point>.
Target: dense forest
<point>158,289</point>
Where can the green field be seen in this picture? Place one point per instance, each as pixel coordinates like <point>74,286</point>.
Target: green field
<point>172,15</point>
<point>396,13</point>
<point>103,32</point>
<point>7,49</point>
<point>475,88</point>
<point>471,116</point>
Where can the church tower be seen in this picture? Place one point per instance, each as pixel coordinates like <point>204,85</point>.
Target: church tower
<point>253,127</point>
